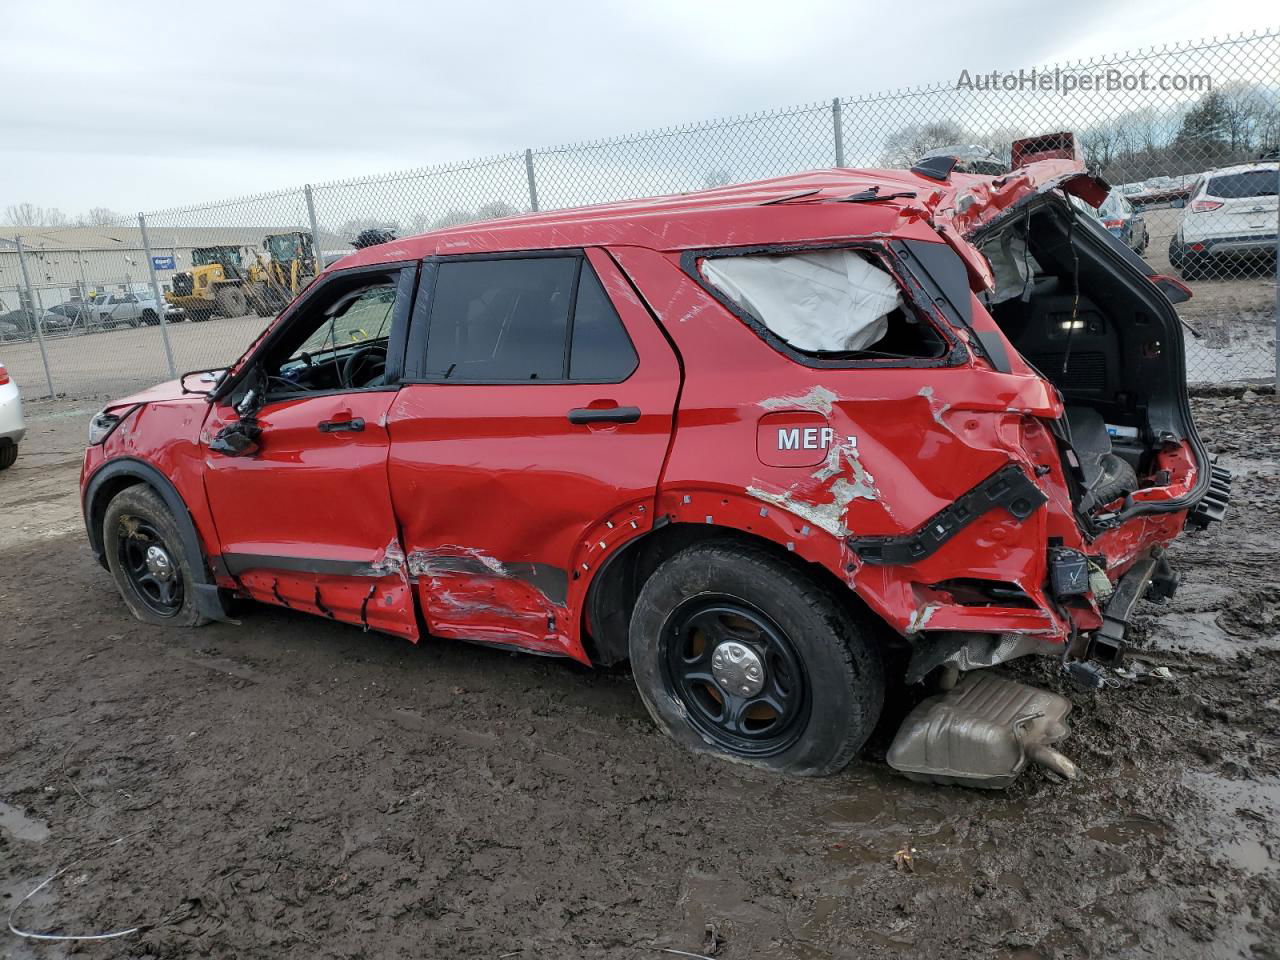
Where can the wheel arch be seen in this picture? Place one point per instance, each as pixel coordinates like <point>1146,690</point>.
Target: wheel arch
<point>125,472</point>
<point>612,593</point>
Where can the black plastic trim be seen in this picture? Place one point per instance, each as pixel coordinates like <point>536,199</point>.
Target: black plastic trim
<point>1009,487</point>
<point>607,415</point>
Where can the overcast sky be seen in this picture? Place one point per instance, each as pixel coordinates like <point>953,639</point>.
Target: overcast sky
<point>138,106</point>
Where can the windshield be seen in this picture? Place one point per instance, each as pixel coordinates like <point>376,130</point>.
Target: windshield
<point>202,257</point>
<point>1114,206</point>
<point>284,246</point>
<point>1253,183</point>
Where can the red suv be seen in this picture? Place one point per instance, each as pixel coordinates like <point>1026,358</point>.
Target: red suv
<point>763,441</point>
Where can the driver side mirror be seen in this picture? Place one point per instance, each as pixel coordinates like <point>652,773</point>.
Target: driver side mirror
<point>240,439</point>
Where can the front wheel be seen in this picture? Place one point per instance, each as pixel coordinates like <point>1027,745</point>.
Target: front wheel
<point>231,302</point>
<point>145,555</point>
<point>740,653</point>
<point>8,455</point>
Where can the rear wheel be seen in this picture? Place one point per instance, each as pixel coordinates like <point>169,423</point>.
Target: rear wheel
<point>231,302</point>
<point>1194,267</point>
<point>8,454</point>
<point>145,555</point>
<point>149,318</point>
<point>739,653</point>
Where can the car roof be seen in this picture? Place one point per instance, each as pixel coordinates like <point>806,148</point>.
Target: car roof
<point>777,211</point>
<point>1244,168</point>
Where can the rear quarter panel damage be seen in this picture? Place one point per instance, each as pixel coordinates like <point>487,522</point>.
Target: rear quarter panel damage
<point>905,443</point>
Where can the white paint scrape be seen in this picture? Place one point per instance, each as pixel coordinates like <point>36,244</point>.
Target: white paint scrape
<point>818,399</point>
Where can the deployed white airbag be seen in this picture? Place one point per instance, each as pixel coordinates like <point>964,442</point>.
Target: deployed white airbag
<point>818,300</point>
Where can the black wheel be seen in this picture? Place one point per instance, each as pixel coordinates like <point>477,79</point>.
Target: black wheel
<point>149,318</point>
<point>740,653</point>
<point>8,455</point>
<point>145,555</point>
<point>1194,267</point>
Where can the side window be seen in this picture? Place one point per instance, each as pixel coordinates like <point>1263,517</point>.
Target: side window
<point>500,319</point>
<point>338,339</point>
<point>510,320</point>
<point>601,349</point>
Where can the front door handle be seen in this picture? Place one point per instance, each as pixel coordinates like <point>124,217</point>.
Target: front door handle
<point>354,425</point>
<point>604,415</point>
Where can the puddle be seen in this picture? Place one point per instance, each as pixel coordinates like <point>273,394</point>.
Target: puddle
<point>22,827</point>
<point>1201,633</point>
<point>1241,807</point>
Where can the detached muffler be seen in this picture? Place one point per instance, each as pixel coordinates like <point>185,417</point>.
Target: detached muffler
<point>982,733</point>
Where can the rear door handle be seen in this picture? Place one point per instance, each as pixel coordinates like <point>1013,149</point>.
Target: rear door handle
<point>604,415</point>
<point>354,425</point>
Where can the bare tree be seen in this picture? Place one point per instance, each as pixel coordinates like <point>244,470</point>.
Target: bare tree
<point>30,215</point>
<point>101,216</point>
<point>1101,142</point>
<point>904,146</point>
<point>495,210</point>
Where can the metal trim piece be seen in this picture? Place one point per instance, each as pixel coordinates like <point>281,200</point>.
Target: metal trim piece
<point>1008,487</point>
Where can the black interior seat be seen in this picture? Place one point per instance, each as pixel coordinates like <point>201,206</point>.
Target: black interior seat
<point>1105,475</point>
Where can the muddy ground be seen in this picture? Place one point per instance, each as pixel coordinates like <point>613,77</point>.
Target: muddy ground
<point>295,788</point>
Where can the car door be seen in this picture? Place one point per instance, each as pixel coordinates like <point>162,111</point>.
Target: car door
<point>304,516</point>
<point>527,441</point>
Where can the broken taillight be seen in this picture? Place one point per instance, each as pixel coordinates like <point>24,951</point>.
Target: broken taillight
<point>1113,223</point>
<point>1204,206</point>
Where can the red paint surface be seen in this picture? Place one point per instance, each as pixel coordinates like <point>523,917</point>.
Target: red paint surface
<point>489,489</point>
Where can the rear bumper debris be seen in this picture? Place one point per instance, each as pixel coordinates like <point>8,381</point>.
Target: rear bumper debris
<point>983,733</point>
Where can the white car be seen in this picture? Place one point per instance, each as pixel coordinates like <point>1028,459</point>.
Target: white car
<point>133,309</point>
<point>12,426</point>
<point>1230,214</point>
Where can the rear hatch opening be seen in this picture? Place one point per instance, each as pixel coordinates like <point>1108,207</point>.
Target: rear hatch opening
<point>1082,312</point>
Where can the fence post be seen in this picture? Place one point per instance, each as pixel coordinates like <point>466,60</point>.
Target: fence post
<point>315,227</point>
<point>1277,344</point>
<point>33,311</point>
<point>533,185</point>
<point>837,127</point>
<point>155,289</point>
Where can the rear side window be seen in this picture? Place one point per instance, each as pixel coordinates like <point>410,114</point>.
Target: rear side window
<point>836,303</point>
<point>1252,183</point>
<point>601,349</point>
<point>519,319</point>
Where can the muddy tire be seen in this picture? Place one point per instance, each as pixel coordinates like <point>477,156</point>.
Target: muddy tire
<point>145,555</point>
<point>231,302</point>
<point>8,455</point>
<point>739,653</point>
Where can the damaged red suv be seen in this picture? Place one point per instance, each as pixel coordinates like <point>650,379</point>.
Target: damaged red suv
<point>763,441</point>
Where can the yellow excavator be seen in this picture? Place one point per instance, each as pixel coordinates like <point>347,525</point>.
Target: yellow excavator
<point>222,283</point>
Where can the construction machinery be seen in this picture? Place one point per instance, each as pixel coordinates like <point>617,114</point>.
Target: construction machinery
<point>229,281</point>
<point>289,266</point>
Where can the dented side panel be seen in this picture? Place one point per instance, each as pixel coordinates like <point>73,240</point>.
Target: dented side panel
<point>506,508</point>
<point>904,444</point>
<point>307,522</point>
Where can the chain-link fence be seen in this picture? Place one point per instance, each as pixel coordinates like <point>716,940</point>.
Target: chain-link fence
<point>1188,135</point>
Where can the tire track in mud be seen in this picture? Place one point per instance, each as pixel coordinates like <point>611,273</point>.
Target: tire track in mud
<point>314,790</point>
